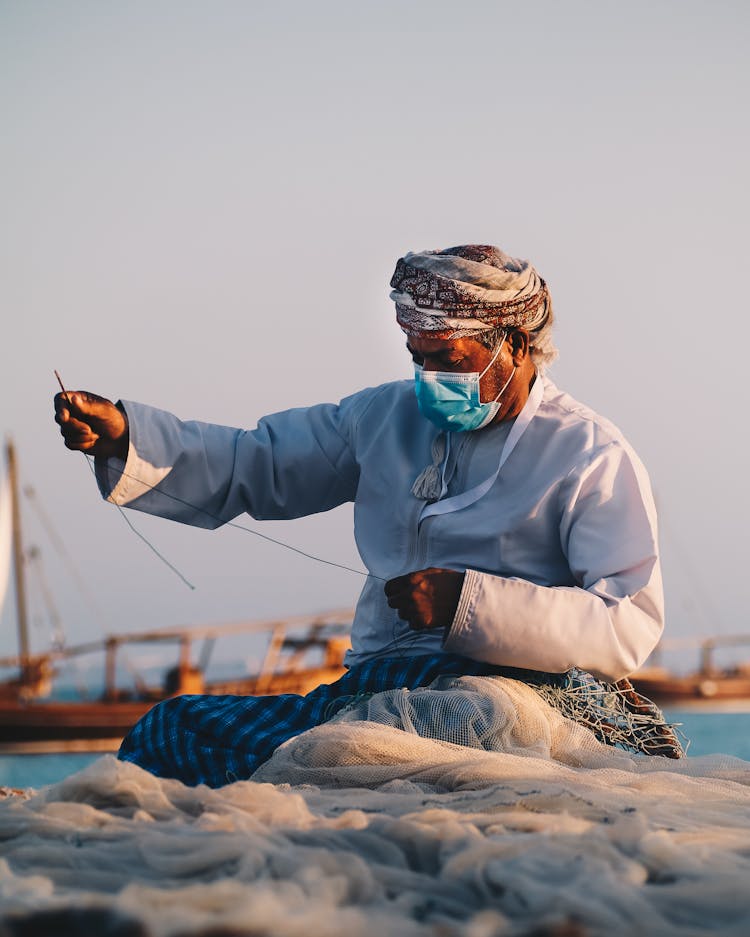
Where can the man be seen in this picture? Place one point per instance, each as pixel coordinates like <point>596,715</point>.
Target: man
<point>503,524</point>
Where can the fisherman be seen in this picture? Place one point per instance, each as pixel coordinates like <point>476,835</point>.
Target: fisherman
<point>506,528</point>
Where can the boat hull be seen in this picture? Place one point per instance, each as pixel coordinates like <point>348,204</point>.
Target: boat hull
<point>100,725</point>
<point>68,726</point>
<point>694,689</point>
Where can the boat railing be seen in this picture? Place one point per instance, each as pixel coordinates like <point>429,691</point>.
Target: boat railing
<point>706,648</point>
<point>318,631</point>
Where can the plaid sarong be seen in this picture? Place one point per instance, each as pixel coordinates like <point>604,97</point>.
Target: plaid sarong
<point>215,740</point>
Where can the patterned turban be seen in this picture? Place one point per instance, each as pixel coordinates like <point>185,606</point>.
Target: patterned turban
<point>467,289</point>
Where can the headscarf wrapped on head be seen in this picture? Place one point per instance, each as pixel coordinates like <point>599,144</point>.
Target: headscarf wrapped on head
<point>463,291</point>
<point>467,289</point>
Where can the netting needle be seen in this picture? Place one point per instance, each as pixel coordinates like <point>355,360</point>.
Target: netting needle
<point>62,388</point>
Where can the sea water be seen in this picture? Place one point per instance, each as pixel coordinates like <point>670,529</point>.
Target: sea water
<point>704,733</point>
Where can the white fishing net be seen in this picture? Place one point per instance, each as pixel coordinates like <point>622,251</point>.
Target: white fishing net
<point>437,724</point>
<point>380,827</point>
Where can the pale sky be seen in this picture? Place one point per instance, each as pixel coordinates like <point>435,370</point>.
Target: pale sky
<point>203,204</point>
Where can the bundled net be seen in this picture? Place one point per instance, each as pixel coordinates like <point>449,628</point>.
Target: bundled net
<point>615,712</point>
<point>471,808</point>
<point>576,722</point>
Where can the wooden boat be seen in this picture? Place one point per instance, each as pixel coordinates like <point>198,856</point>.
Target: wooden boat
<point>301,653</point>
<point>707,685</point>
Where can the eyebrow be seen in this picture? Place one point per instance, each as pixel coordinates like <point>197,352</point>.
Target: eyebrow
<point>439,353</point>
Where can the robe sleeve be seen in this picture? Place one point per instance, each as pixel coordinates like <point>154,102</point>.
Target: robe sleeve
<point>294,463</point>
<point>611,620</point>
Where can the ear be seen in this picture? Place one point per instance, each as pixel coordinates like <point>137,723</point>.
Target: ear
<point>518,339</point>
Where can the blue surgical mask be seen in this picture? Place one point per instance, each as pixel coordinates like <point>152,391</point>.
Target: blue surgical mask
<point>451,399</point>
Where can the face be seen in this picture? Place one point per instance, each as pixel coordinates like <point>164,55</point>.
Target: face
<point>462,355</point>
<point>466,354</point>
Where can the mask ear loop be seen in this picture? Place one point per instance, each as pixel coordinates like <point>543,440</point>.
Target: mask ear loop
<point>505,385</point>
<point>492,361</point>
<point>494,357</point>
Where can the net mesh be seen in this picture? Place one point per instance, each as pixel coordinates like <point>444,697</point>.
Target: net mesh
<point>579,723</point>
<point>615,712</point>
<point>387,831</point>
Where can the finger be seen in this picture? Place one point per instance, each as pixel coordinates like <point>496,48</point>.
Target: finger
<point>81,404</point>
<point>62,416</point>
<point>79,438</point>
<point>402,599</point>
<point>396,599</point>
<point>398,584</point>
<point>406,613</point>
<point>74,427</point>
<point>69,403</point>
<point>393,585</point>
<point>411,613</point>
<point>62,406</point>
<point>422,616</point>
<point>81,443</point>
<point>84,403</point>
<point>400,602</point>
<point>419,622</point>
<point>80,432</point>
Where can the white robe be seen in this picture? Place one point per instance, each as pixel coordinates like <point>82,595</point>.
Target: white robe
<point>560,554</point>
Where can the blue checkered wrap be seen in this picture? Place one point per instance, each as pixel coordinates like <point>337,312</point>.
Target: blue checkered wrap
<point>215,740</point>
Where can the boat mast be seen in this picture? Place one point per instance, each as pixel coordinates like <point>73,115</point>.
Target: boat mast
<point>18,559</point>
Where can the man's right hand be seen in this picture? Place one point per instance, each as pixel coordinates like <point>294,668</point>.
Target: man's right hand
<point>92,424</point>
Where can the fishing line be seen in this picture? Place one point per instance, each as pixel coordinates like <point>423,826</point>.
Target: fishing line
<point>122,513</point>
<point>397,642</point>
<point>247,530</point>
<point>137,532</point>
<point>194,507</point>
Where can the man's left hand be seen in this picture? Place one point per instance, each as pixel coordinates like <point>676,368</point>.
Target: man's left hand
<point>427,598</point>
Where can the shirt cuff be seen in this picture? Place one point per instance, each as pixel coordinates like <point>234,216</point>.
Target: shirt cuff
<point>464,610</point>
<point>122,482</point>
